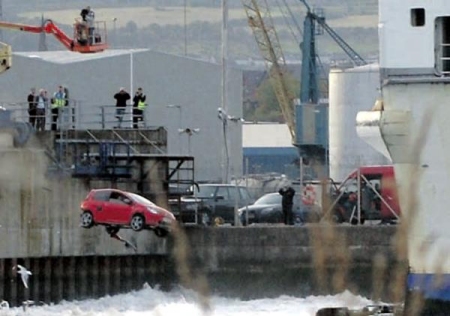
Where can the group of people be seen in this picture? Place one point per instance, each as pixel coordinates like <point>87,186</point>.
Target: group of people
<point>139,106</point>
<point>40,103</point>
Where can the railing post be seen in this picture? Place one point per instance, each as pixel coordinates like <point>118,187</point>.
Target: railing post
<point>103,117</point>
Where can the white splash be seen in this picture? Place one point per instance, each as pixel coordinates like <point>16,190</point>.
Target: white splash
<point>153,302</point>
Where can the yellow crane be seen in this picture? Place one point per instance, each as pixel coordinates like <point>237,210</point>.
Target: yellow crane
<point>260,21</point>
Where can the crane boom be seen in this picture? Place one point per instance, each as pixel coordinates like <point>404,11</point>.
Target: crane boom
<point>260,21</point>
<point>73,44</point>
<point>354,56</point>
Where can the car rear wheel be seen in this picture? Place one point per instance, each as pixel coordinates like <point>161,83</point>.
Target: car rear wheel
<point>161,232</point>
<point>137,222</point>
<point>87,220</point>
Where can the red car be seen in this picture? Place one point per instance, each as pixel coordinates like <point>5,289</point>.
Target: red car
<point>118,209</point>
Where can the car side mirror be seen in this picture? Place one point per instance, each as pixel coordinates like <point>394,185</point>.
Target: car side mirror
<point>127,201</point>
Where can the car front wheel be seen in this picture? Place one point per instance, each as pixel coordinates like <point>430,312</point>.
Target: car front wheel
<point>137,222</point>
<point>87,220</point>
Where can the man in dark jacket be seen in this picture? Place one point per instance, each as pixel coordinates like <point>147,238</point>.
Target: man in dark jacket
<point>121,104</point>
<point>287,202</point>
<point>32,105</point>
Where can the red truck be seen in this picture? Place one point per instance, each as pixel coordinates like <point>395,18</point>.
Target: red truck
<point>378,195</point>
<point>378,199</point>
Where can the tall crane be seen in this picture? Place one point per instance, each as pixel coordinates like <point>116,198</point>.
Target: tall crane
<point>81,42</point>
<point>309,89</point>
<point>309,125</point>
<point>260,20</point>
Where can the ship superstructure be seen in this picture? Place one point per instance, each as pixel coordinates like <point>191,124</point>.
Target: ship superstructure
<point>411,125</point>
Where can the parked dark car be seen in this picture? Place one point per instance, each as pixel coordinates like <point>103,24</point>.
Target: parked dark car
<point>209,204</point>
<point>268,209</point>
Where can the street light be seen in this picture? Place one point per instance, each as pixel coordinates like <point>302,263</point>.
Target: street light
<point>224,117</point>
<point>189,132</point>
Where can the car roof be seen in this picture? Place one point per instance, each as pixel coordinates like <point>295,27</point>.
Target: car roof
<point>101,190</point>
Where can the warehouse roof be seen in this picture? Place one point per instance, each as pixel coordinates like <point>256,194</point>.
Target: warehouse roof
<point>68,57</point>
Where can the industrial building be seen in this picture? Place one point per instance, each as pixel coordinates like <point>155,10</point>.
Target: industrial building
<point>181,93</point>
<point>350,91</point>
<point>267,148</point>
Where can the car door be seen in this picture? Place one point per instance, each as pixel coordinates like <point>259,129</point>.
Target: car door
<point>117,211</point>
<point>223,206</point>
<point>98,204</point>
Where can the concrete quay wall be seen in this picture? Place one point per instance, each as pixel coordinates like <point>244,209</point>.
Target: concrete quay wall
<point>255,262</point>
<point>219,249</point>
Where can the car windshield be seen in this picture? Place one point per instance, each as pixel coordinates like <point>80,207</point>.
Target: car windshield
<point>269,199</point>
<point>140,199</point>
<point>205,191</point>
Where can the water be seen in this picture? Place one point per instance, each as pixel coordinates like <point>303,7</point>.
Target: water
<point>154,302</point>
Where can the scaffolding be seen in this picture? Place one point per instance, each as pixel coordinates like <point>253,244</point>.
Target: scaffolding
<point>127,159</point>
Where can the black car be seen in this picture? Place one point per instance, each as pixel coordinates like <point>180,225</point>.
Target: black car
<point>268,209</point>
<point>209,204</point>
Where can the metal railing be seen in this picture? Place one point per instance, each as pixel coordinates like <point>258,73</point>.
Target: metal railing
<point>77,117</point>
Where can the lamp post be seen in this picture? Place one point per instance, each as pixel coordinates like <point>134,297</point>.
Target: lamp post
<point>179,107</point>
<point>224,117</point>
<point>189,132</point>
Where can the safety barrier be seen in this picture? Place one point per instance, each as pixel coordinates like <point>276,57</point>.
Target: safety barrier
<point>76,116</point>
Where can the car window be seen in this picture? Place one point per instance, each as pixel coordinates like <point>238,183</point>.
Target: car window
<point>269,199</point>
<point>205,191</point>
<point>245,195</point>
<point>223,191</point>
<point>102,195</point>
<point>117,198</point>
<point>140,199</point>
<point>233,192</point>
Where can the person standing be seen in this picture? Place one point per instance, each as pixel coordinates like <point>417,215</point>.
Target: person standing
<point>287,202</point>
<point>41,108</point>
<point>139,106</point>
<point>58,102</point>
<point>90,21</point>
<point>121,104</point>
<point>31,99</point>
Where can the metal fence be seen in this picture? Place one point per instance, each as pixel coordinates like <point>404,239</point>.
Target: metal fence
<point>76,116</point>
